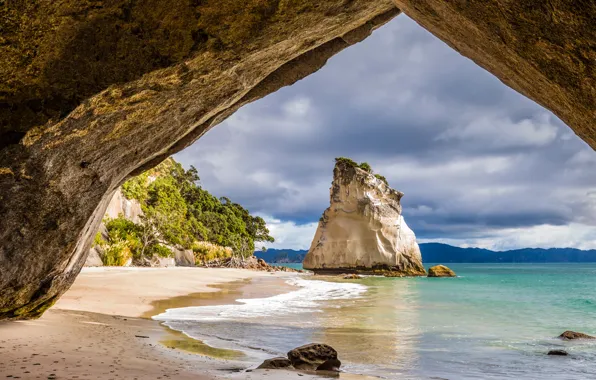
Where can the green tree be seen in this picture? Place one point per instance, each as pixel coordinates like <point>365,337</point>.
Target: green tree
<point>179,212</point>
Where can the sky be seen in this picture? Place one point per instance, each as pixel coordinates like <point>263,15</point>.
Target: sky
<point>480,164</point>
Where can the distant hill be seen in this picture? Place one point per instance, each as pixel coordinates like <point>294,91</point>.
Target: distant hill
<point>444,253</point>
<point>281,255</point>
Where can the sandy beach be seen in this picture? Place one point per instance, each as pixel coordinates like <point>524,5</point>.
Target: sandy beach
<point>100,328</point>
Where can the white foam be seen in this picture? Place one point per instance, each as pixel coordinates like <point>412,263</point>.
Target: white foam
<point>308,298</point>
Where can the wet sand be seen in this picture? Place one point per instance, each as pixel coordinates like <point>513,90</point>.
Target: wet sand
<point>73,341</point>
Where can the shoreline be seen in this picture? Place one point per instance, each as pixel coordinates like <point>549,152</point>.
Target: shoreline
<point>101,328</point>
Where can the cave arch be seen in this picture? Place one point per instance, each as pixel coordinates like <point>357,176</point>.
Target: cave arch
<point>79,114</point>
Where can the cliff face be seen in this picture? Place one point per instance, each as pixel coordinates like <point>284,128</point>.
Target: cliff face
<point>92,92</point>
<point>363,229</point>
<point>119,205</point>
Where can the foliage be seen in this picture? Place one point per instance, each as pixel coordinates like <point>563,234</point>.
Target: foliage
<point>135,187</point>
<point>116,253</point>
<point>177,211</point>
<point>382,178</point>
<point>160,251</point>
<point>126,232</point>
<point>205,252</point>
<point>347,161</point>
<point>98,239</point>
<point>363,165</point>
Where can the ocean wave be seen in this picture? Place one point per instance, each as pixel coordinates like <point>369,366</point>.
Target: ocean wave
<point>308,298</point>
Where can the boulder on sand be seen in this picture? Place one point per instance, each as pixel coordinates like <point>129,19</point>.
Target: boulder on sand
<point>440,271</point>
<point>570,335</point>
<point>275,363</point>
<point>312,356</point>
<point>330,365</point>
<point>352,276</point>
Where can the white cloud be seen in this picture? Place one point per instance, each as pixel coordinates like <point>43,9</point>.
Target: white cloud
<point>289,235</point>
<point>573,235</point>
<point>501,131</point>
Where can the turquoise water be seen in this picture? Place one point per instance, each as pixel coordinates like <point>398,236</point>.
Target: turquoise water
<point>494,321</point>
<point>289,265</point>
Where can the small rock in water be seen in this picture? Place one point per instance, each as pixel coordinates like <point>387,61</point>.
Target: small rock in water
<point>570,335</point>
<point>352,276</point>
<point>274,363</point>
<point>558,352</point>
<point>440,271</point>
<point>311,356</point>
<point>330,365</point>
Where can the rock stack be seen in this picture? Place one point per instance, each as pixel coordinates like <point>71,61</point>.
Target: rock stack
<point>363,230</point>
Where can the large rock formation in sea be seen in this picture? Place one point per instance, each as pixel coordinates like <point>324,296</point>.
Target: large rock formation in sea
<point>92,92</point>
<point>363,229</point>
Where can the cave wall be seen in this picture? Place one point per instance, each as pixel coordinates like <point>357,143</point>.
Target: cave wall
<point>94,91</point>
<point>545,50</point>
<point>97,91</point>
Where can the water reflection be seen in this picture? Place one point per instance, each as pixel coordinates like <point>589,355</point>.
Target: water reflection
<point>381,328</point>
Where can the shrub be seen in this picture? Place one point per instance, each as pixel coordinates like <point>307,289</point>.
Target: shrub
<point>98,240</point>
<point>346,161</point>
<point>382,178</point>
<point>365,166</point>
<point>136,188</point>
<point>160,251</point>
<point>205,252</point>
<point>116,254</point>
<point>126,231</point>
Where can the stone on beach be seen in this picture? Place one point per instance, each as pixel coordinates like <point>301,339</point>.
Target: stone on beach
<point>279,362</point>
<point>330,365</point>
<point>311,356</point>
<point>440,271</point>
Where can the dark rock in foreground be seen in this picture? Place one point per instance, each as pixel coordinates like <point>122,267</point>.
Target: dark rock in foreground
<point>558,353</point>
<point>275,363</point>
<point>440,271</point>
<point>570,335</point>
<point>330,365</point>
<point>312,356</point>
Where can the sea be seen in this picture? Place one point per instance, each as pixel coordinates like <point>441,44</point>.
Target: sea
<point>492,321</point>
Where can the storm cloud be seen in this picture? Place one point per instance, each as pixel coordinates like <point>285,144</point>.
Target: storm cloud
<point>479,163</point>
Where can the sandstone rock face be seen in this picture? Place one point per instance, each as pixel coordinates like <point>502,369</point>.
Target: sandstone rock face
<point>363,229</point>
<point>87,100</point>
<point>183,257</point>
<point>440,271</point>
<point>94,258</point>
<point>121,206</point>
<point>96,101</point>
